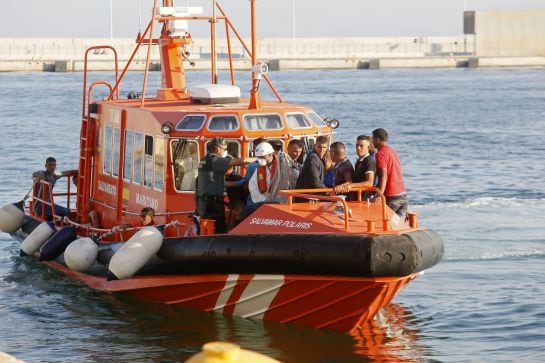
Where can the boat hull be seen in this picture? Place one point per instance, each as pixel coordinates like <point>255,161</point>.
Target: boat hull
<point>292,299</point>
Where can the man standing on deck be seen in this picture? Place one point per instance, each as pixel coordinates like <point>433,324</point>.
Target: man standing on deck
<point>312,173</point>
<point>295,152</point>
<point>50,176</point>
<point>390,176</point>
<point>211,182</point>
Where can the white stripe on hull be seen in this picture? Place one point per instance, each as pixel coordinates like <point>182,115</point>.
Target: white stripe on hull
<point>256,298</point>
<point>258,295</point>
<point>226,292</point>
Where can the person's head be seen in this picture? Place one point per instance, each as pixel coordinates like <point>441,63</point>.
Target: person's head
<point>337,151</point>
<point>50,164</point>
<point>217,145</point>
<point>380,138</point>
<point>364,145</point>
<point>320,146</point>
<point>295,149</point>
<point>146,216</point>
<point>264,153</point>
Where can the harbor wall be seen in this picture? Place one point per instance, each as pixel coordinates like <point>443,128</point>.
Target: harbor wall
<point>491,39</point>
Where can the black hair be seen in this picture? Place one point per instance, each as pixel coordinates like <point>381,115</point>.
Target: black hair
<point>380,134</point>
<point>337,145</point>
<point>297,142</point>
<point>147,211</point>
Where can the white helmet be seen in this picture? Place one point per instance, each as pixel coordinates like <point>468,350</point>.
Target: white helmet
<point>264,149</point>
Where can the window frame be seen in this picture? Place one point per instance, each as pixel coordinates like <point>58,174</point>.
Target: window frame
<point>310,122</point>
<point>204,119</point>
<point>282,121</point>
<point>212,117</point>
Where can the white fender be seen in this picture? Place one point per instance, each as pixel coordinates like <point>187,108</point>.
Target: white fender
<point>36,238</point>
<point>136,252</point>
<point>11,218</point>
<point>81,254</point>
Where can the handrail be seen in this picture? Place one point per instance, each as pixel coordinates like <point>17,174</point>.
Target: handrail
<point>45,192</point>
<point>97,83</point>
<point>83,104</point>
<point>308,194</point>
<point>332,198</point>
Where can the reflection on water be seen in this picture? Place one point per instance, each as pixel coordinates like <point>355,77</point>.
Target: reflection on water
<point>389,337</point>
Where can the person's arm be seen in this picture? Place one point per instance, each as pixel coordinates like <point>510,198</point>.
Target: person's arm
<point>69,172</point>
<point>382,179</point>
<point>241,161</point>
<point>250,170</point>
<point>346,187</point>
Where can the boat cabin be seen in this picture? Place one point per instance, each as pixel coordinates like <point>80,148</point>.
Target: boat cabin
<point>149,156</point>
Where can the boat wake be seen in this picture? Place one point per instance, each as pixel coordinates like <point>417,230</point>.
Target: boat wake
<point>502,255</point>
<point>491,202</point>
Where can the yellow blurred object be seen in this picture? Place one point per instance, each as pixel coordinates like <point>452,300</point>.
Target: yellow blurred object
<point>221,352</point>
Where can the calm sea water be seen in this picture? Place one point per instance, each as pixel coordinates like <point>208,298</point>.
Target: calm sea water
<point>472,143</point>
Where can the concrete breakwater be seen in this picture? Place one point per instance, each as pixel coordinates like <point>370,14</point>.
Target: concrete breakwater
<point>68,55</point>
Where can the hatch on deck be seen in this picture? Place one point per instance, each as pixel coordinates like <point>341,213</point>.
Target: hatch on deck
<point>214,93</point>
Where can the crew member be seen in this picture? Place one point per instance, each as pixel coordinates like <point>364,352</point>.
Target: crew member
<point>211,182</point>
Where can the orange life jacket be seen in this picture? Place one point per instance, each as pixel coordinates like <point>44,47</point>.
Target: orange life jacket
<point>262,175</point>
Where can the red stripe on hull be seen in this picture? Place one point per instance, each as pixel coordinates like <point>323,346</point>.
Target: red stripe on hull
<point>328,303</point>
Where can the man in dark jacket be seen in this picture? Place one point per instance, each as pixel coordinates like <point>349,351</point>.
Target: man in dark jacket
<point>312,173</point>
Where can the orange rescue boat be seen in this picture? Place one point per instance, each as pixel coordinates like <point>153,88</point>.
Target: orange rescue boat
<point>324,263</point>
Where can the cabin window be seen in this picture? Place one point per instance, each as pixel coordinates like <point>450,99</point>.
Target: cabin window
<point>277,144</point>
<point>148,160</point>
<point>318,121</point>
<point>262,122</point>
<point>107,149</point>
<point>137,156</point>
<point>159,163</point>
<point>233,148</point>
<point>127,166</point>
<point>297,121</point>
<point>223,123</point>
<point>115,152</point>
<point>185,157</point>
<point>191,122</point>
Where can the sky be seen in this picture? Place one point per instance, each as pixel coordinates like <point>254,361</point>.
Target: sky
<point>275,18</point>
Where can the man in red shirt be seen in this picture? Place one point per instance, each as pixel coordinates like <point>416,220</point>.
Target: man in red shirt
<point>390,176</point>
